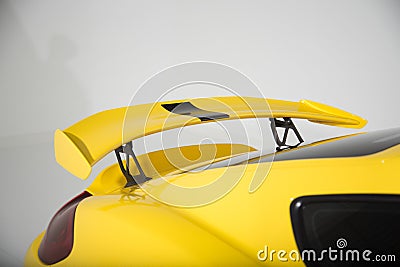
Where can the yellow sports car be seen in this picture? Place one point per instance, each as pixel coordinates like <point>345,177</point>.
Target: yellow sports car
<point>334,202</point>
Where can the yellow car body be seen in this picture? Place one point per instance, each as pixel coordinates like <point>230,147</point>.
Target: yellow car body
<point>125,226</point>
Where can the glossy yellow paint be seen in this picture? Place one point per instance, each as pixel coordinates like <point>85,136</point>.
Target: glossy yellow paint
<point>70,154</point>
<point>128,228</point>
<point>81,145</point>
<point>120,226</point>
<point>165,162</point>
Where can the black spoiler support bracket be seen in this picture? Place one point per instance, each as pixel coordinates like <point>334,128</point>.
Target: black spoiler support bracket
<point>287,124</point>
<point>131,180</point>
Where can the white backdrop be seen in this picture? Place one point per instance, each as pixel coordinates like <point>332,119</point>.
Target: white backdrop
<point>61,61</point>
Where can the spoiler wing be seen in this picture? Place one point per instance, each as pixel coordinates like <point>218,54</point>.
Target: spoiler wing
<point>80,146</point>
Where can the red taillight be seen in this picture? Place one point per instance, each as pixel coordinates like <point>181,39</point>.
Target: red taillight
<point>59,238</point>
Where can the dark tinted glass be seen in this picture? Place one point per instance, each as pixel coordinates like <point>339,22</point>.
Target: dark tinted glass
<point>350,146</point>
<point>349,222</point>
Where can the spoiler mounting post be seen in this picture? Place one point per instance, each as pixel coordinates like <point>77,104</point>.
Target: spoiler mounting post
<point>287,124</point>
<point>131,180</point>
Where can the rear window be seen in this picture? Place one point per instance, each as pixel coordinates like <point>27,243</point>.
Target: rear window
<point>347,146</point>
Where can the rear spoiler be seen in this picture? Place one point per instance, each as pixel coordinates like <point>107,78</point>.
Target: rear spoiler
<point>81,145</point>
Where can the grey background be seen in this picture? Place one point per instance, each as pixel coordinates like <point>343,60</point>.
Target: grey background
<point>61,61</point>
